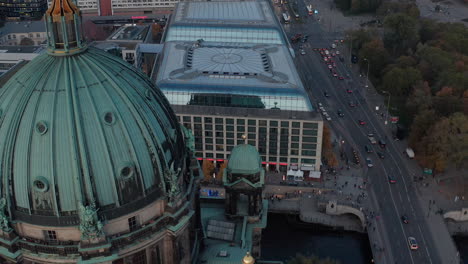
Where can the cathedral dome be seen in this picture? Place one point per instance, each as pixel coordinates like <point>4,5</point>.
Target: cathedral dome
<point>80,129</point>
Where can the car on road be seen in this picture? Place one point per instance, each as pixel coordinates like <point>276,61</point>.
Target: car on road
<point>325,59</point>
<point>340,113</point>
<point>335,74</point>
<point>413,244</point>
<point>404,218</point>
<point>303,52</point>
<point>391,179</point>
<point>369,163</point>
<point>330,66</point>
<point>361,122</point>
<point>320,104</point>
<point>381,155</point>
<point>368,149</point>
<point>326,94</point>
<point>337,52</point>
<point>334,64</point>
<point>341,78</point>
<point>382,143</point>
<point>349,90</point>
<point>352,104</point>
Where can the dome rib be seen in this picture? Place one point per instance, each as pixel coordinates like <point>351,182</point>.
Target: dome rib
<point>76,129</point>
<point>124,126</point>
<point>108,159</point>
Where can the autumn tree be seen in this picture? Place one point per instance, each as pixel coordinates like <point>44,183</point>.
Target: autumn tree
<point>327,148</point>
<point>208,169</point>
<point>223,166</point>
<point>446,103</point>
<point>445,143</point>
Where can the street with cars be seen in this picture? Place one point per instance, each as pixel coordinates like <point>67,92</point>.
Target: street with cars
<point>339,95</point>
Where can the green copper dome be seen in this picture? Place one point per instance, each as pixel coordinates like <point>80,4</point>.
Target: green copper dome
<point>81,128</point>
<point>244,159</point>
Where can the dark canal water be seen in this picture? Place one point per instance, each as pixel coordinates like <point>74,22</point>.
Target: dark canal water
<point>283,238</point>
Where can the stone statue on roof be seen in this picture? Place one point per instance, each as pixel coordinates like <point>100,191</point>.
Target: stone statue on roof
<point>90,225</point>
<point>172,184</point>
<point>4,222</point>
<point>189,139</point>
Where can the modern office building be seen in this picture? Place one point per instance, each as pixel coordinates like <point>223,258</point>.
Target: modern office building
<point>228,73</point>
<point>95,167</point>
<point>22,9</point>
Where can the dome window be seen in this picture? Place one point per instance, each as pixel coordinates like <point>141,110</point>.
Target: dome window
<point>127,171</point>
<point>109,118</point>
<point>41,184</point>
<point>41,127</point>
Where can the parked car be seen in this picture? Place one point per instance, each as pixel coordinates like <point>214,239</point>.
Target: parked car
<point>391,179</point>
<point>361,122</point>
<point>340,113</point>
<point>369,163</point>
<point>326,94</point>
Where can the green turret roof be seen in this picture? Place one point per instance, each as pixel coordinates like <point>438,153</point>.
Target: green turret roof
<point>244,159</point>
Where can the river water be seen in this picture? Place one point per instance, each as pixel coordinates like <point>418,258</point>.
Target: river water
<point>283,239</point>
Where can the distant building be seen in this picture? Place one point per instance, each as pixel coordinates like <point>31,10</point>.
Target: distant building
<point>122,7</point>
<point>124,41</point>
<point>228,73</point>
<point>12,33</point>
<point>10,56</point>
<point>22,9</point>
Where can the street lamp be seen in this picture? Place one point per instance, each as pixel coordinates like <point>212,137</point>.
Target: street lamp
<point>388,105</point>
<point>368,67</point>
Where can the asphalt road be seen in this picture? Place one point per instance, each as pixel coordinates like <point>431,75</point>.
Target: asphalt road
<point>395,199</point>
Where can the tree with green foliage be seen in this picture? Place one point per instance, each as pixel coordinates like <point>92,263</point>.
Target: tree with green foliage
<point>399,81</point>
<point>408,8</point>
<point>301,259</point>
<point>376,54</point>
<point>421,124</point>
<point>358,38</point>
<point>432,62</point>
<point>400,33</point>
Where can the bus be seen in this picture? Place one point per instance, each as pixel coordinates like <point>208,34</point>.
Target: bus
<point>286,18</point>
<point>310,10</point>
